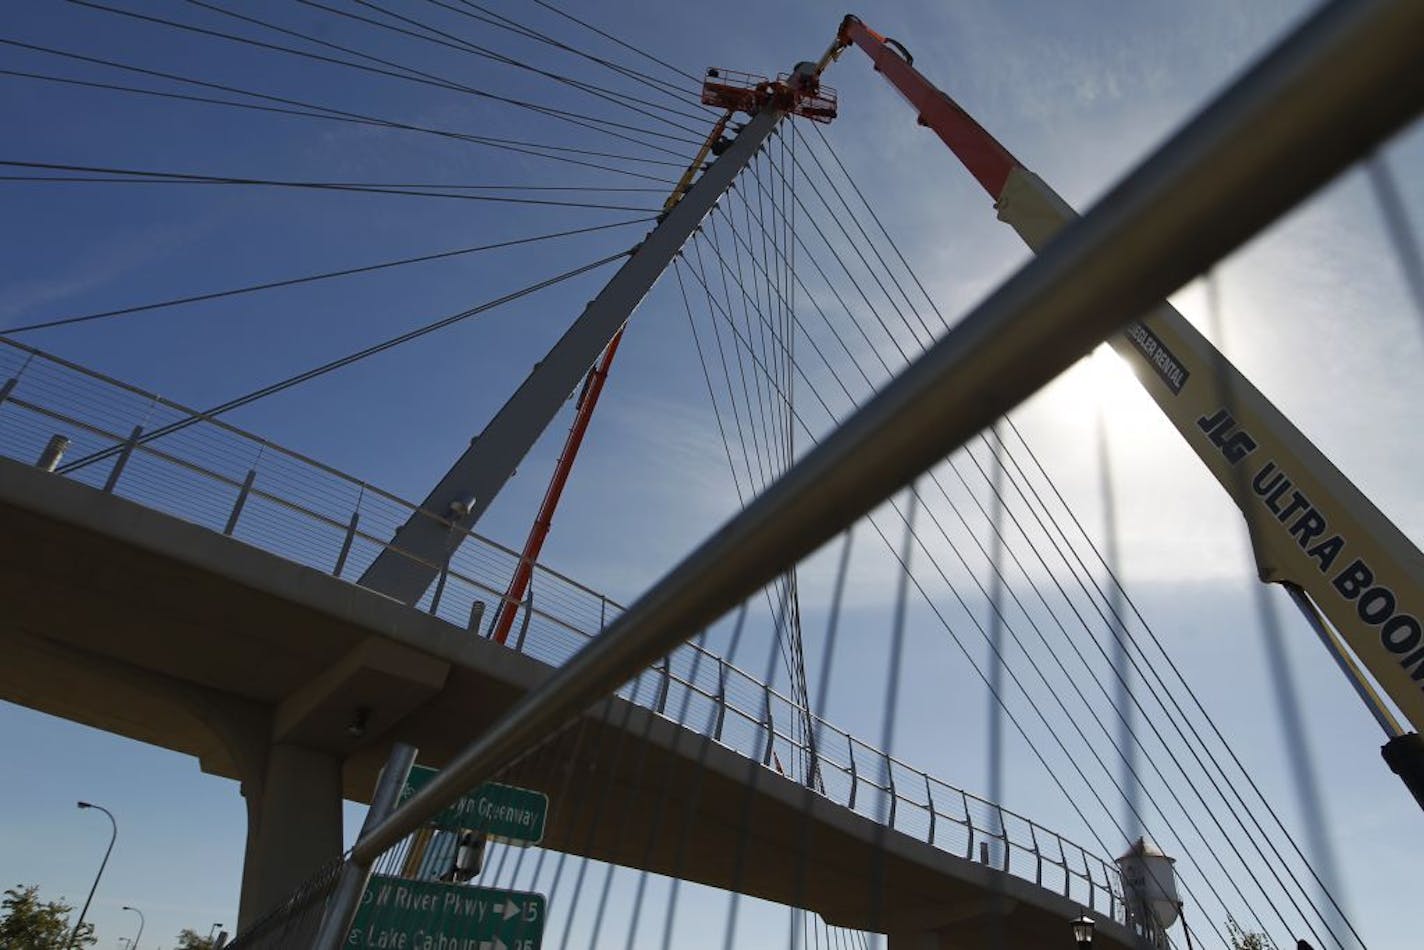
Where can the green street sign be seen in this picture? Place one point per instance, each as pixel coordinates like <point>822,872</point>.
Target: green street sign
<point>505,812</point>
<point>397,914</point>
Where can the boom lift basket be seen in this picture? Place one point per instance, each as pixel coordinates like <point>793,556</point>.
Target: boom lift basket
<point>738,91</point>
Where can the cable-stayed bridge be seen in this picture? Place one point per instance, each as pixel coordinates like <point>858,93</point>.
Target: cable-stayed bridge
<point>179,580</point>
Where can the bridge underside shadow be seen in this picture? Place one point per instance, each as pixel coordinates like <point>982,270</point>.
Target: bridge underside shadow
<point>146,626</point>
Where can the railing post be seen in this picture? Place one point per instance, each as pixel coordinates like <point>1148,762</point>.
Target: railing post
<point>890,781</point>
<point>1092,884</point>
<point>1112,896</point>
<point>1037,858</point>
<point>664,686</point>
<point>929,800</point>
<point>721,698</point>
<point>602,612</point>
<point>969,823</point>
<point>770,730</point>
<point>854,774</point>
<point>1004,837</point>
<point>440,585</point>
<point>346,543</point>
<point>6,388</point>
<point>122,460</point>
<point>241,500</point>
<point>528,614</point>
<point>813,755</point>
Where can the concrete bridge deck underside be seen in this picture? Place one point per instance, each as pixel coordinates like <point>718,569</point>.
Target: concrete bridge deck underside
<point>131,621</point>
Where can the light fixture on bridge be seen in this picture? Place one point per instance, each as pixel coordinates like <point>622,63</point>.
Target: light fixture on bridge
<point>461,506</point>
<point>357,727</point>
<point>1083,931</point>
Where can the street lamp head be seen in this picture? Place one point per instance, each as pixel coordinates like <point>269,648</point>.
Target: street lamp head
<point>127,907</point>
<point>1083,930</point>
<point>84,804</point>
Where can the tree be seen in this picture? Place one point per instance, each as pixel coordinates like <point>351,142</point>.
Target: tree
<point>29,924</point>
<point>1243,939</point>
<point>192,940</point>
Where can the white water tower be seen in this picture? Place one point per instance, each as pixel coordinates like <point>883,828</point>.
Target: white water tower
<point>1150,882</point>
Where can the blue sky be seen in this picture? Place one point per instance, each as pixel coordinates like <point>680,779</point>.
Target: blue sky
<point>1315,312</point>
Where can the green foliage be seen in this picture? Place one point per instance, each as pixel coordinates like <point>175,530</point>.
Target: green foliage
<point>29,924</point>
<point>192,940</point>
<point>1243,939</point>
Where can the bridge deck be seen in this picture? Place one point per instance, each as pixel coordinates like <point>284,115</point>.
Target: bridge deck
<point>189,593</point>
<point>143,625</point>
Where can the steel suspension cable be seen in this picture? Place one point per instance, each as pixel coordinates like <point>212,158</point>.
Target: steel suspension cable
<point>1011,716</point>
<point>1116,622</point>
<point>406,74</point>
<point>1397,226</point>
<point>1121,714</point>
<point>608,36</point>
<point>795,662</point>
<point>1150,668</point>
<point>503,22</point>
<point>765,472</point>
<point>777,302</point>
<point>754,487</point>
<point>104,176</point>
<point>452,41</point>
<point>314,110</point>
<point>168,177</point>
<point>949,540</point>
<point>336,364</point>
<point>310,278</point>
<point>1018,726</point>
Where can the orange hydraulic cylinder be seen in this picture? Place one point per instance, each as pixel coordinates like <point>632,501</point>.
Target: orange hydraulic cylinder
<point>583,412</point>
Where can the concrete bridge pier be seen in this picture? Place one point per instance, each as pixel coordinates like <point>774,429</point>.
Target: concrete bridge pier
<point>293,826</point>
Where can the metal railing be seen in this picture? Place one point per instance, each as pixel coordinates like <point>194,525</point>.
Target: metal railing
<point>218,476</point>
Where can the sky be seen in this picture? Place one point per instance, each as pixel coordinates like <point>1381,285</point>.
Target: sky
<point>1314,311</point>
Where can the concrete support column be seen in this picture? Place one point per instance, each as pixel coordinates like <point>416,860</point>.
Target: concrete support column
<point>293,826</point>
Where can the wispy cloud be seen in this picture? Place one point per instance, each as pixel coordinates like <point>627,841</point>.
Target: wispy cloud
<point>108,260</point>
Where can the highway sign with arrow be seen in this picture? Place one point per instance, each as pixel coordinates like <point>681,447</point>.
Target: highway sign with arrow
<point>396,914</point>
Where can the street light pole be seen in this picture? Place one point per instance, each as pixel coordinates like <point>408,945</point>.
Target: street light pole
<point>213,934</point>
<point>102,864</point>
<point>139,935</point>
